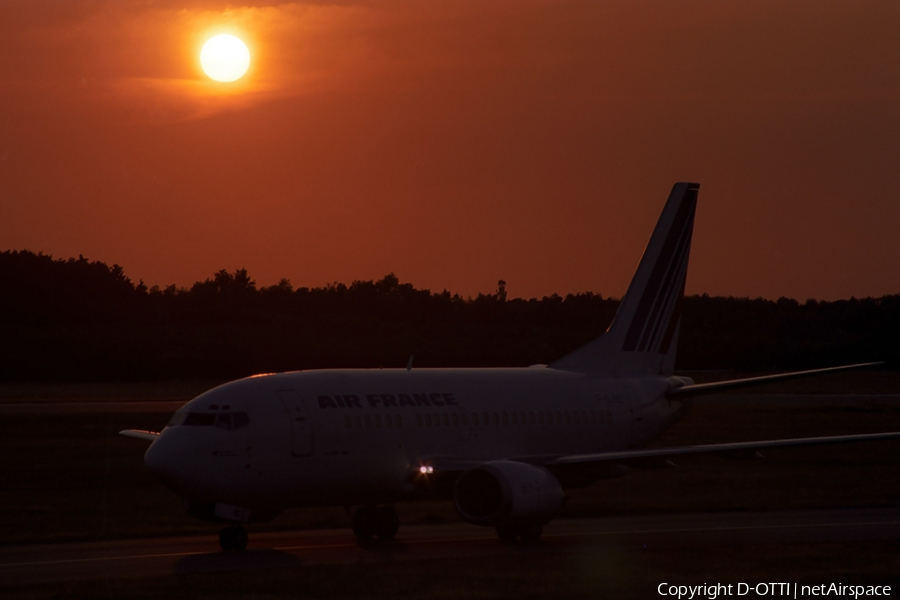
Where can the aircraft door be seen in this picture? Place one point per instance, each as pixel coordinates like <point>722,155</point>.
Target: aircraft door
<point>301,425</point>
<point>636,413</point>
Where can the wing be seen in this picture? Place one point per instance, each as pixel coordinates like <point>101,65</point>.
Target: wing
<point>717,386</point>
<point>580,470</point>
<point>140,434</point>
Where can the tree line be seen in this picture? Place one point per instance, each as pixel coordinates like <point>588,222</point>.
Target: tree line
<point>81,320</point>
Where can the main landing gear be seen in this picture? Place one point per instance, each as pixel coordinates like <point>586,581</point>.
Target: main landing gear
<point>529,534</point>
<point>233,538</point>
<point>369,522</point>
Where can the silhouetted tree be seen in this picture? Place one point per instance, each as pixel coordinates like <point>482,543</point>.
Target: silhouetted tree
<point>81,320</point>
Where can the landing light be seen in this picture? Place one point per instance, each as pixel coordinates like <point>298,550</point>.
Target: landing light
<point>426,470</point>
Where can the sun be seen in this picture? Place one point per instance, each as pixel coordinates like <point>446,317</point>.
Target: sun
<point>225,58</point>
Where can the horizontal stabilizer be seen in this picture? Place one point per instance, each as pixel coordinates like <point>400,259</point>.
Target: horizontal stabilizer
<point>140,434</point>
<point>717,386</point>
<point>733,447</point>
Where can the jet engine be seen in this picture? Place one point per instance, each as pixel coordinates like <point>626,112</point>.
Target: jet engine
<point>506,492</point>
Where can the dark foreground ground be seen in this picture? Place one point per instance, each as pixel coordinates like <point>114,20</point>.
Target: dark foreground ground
<point>68,478</point>
<point>619,556</point>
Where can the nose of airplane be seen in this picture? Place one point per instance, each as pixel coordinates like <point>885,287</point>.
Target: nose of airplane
<point>163,461</point>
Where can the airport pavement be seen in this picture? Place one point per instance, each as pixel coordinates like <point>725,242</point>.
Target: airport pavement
<point>152,557</point>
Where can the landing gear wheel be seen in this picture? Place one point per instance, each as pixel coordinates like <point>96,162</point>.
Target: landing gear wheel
<point>233,538</point>
<point>530,533</point>
<point>369,522</point>
<point>508,533</point>
<point>386,523</point>
<point>364,522</point>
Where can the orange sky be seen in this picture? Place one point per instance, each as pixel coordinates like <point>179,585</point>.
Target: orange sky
<point>456,143</point>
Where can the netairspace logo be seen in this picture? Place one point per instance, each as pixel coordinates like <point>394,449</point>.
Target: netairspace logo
<point>787,590</point>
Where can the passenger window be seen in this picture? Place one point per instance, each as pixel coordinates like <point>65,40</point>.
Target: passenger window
<point>541,417</point>
<point>377,421</point>
<point>505,418</point>
<point>531,417</point>
<point>496,419</point>
<point>388,422</point>
<point>558,418</point>
<point>609,416</point>
<point>418,420</point>
<point>368,422</point>
<point>568,417</point>
<point>427,420</point>
<point>455,418</point>
<point>515,418</point>
<point>397,422</point>
<point>347,421</point>
<point>474,418</point>
<point>357,422</point>
<point>487,418</point>
<point>593,416</point>
<point>437,420</point>
<point>584,417</point>
<point>464,419</point>
<point>576,418</point>
<point>446,420</point>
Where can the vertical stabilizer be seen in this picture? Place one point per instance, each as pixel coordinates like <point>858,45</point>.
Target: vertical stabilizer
<point>644,333</point>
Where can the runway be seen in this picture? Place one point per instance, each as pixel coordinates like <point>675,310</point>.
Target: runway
<point>154,557</point>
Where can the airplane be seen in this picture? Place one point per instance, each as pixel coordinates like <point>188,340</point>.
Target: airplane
<point>503,443</point>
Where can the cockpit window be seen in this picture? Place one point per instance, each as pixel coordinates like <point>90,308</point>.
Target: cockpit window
<point>232,420</point>
<point>199,419</point>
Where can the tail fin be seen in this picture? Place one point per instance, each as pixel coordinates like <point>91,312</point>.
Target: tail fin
<point>643,335</point>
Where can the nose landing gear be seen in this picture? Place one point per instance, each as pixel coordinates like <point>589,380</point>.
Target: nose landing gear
<point>233,538</point>
<point>529,534</point>
<point>369,522</point>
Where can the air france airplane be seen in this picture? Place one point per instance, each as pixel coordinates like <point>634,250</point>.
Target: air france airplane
<point>502,443</point>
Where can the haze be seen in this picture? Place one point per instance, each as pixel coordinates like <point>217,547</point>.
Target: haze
<point>456,143</point>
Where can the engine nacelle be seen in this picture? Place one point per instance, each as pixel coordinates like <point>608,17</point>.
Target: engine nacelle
<point>503,492</point>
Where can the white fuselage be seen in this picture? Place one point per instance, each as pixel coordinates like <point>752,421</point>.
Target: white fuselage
<point>346,437</point>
